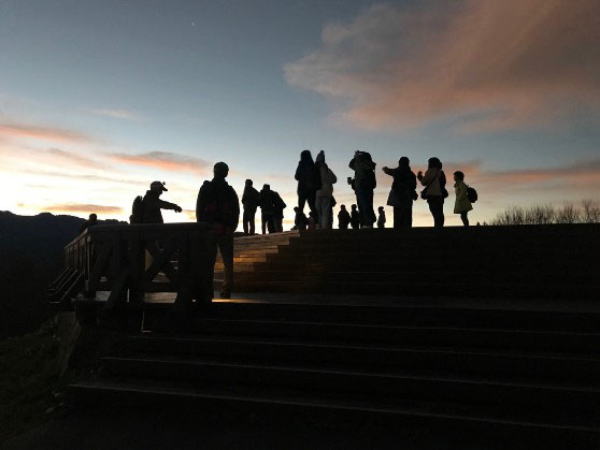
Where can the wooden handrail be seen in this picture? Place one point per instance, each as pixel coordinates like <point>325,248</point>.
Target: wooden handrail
<point>130,260</point>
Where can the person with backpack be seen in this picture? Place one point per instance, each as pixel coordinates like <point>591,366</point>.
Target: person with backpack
<point>250,200</point>
<point>324,195</point>
<point>364,183</point>
<point>435,191</point>
<point>403,193</point>
<point>266,202</point>
<point>462,204</point>
<point>218,205</point>
<point>308,181</point>
<point>343,218</point>
<point>148,208</point>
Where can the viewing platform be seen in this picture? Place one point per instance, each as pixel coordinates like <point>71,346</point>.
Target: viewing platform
<point>491,331</point>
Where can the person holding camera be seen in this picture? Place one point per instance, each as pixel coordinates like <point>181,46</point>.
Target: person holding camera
<point>435,191</point>
<point>364,183</point>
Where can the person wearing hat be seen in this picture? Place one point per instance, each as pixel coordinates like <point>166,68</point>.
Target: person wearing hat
<point>152,204</point>
<point>218,205</point>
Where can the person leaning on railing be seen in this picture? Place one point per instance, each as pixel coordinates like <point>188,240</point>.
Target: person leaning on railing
<point>218,205</point>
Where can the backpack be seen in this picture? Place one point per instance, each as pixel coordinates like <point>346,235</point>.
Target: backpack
<point>472,194</point>
<point>443,184</point>
<point>137,210</point>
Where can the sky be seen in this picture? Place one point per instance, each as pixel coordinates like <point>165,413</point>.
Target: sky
<point>98,99</point>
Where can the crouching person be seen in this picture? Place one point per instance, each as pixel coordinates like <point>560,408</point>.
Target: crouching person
<point>218,206</point>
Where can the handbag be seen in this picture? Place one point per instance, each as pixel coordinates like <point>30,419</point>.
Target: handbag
<point>443,189</point>
<point>393,199</point>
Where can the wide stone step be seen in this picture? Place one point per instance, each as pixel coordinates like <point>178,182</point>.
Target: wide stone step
<point>477,316</point>
<point>497,365</point>
<point>400,276</point>
<point>467,288</point>
<point>375,385</point>
<point>501,339</point>
<point>256,400</point>
<point>449,256</point>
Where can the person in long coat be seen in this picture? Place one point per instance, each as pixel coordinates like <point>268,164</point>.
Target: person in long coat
<point>308,179</point>
<point>403,193</point>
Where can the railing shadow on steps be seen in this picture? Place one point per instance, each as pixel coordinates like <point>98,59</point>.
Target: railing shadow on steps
<point>130,260</point>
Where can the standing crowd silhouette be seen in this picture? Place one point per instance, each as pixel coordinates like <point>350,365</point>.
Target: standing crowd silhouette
<point>315,188</point>
<point>218,204</point>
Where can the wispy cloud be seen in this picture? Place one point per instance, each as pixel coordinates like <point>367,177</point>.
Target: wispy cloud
<point>573,176</point>
<point>83,208</point>
<point>165,161</point>
<point>74,158</point>
<point>488,65</point>
<point>535,180</point>
<point>22,131</point>
<point>84,177</point>
<point>122,114</point>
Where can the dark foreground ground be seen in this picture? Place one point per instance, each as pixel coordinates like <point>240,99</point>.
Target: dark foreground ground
<point>34,415</point>
<point>160,429</point>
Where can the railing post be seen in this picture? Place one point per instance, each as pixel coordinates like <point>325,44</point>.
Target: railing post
<point>137,261</point>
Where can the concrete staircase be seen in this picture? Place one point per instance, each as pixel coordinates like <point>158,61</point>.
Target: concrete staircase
<point>518,374</point>
<point>517,262</point>
<point>251,250</point>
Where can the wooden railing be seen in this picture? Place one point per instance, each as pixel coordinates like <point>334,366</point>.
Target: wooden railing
<point>131,260</point>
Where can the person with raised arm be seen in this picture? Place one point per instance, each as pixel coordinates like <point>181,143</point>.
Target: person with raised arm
<point>403,193</point>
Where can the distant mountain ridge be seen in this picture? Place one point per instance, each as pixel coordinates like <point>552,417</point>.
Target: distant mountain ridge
<point>44,234</point>
<point>31,255</point>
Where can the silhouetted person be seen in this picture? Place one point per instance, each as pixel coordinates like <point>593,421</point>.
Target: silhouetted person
<point>266,202</point>
<point>381,218</point>
<point>343,218</point>
<point>434,181</point>
<point>308,180</point>
<point>152,204</point>
<point>219,206</point>
<point>250,200</point>
<point>364,184</point>
<point>279,207</point>
<point>403,193</point>
<point>330,212</point>
<point>300,220</point>
<point>324,195</point>
<point>354,217</point>
<point>92,220</point>
<point>462,204</point>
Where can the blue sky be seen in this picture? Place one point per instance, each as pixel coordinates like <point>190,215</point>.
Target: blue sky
<point>255,82</point>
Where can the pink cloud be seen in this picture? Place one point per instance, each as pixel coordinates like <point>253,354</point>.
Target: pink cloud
<point>122,114</point>
<point>486,64</point>
<point>165,161</point>
<point>83,208</point>
<point>20,131</point>
<point>569,177</point>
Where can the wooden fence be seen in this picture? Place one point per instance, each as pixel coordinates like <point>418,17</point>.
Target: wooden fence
<point>131,260</point>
